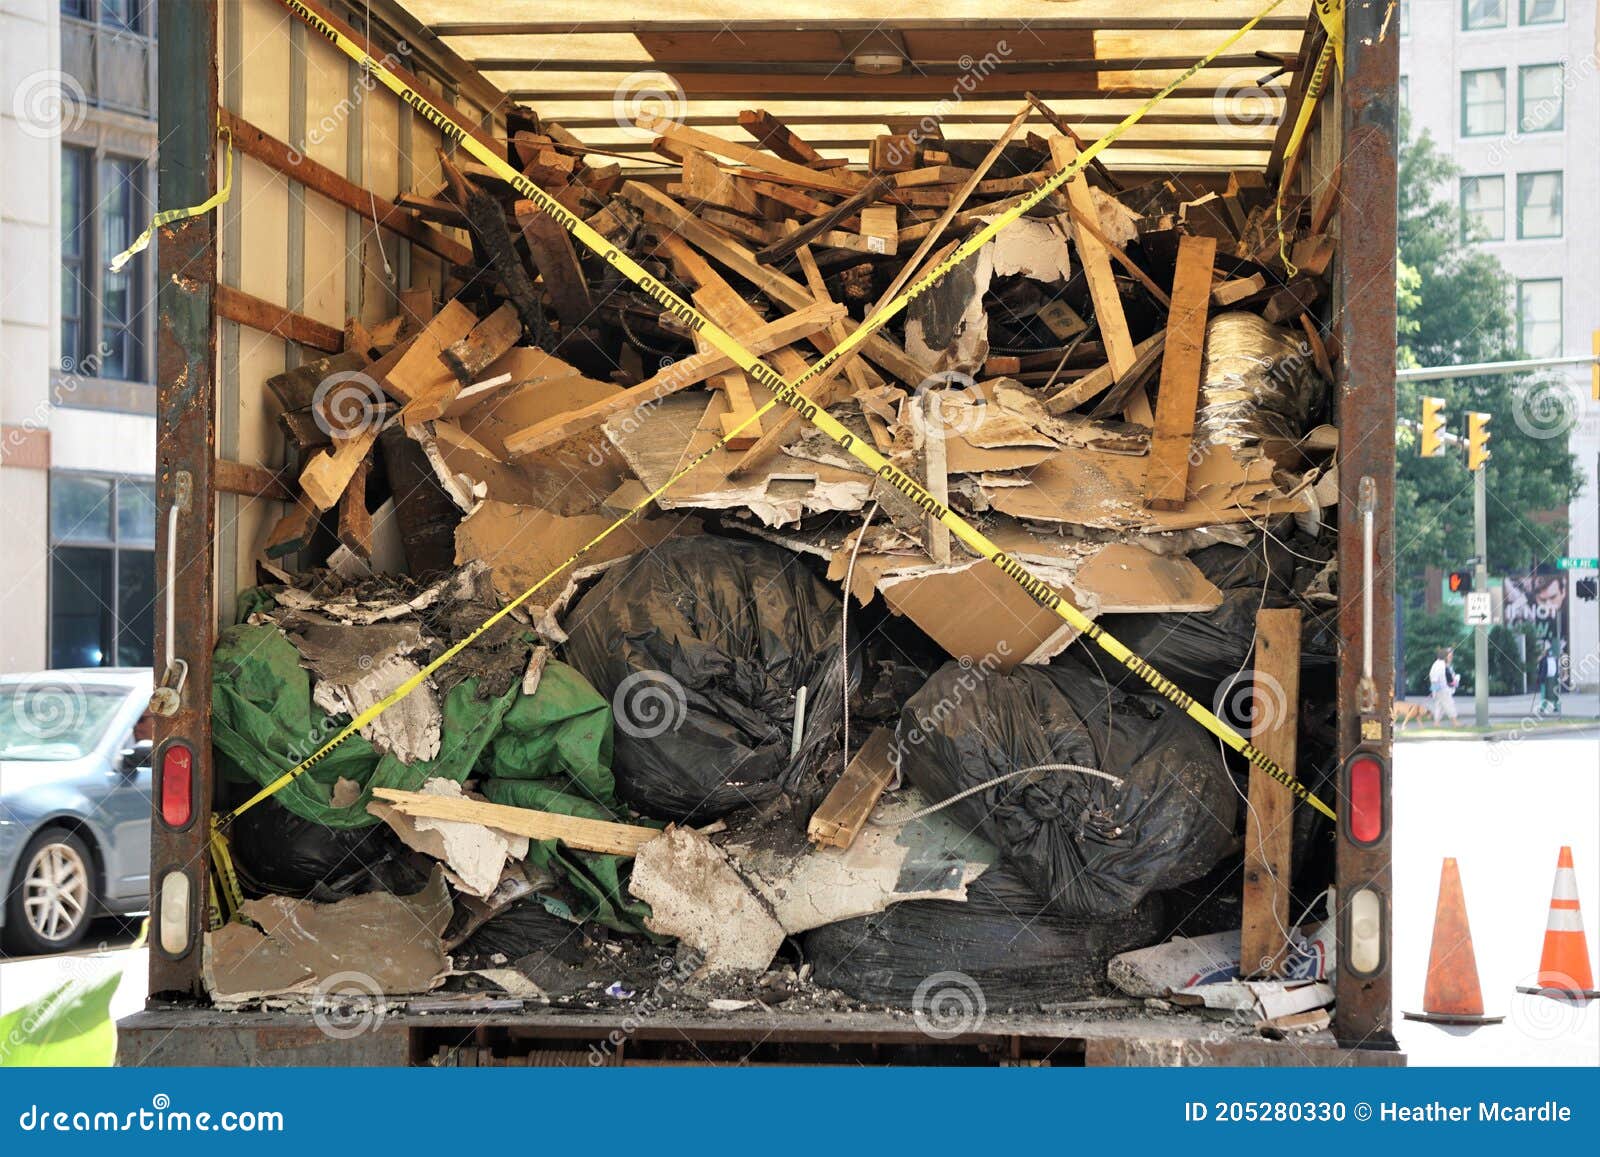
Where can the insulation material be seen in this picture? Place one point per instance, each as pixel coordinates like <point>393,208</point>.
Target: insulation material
<point>1258,383</point>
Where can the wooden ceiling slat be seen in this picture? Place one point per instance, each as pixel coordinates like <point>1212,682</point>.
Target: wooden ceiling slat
<point>840,72</point>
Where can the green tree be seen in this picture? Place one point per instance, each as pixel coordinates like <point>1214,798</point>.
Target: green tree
<point>1455,307</point>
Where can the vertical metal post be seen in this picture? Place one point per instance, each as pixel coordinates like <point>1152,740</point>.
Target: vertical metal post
<point>1480,582</point>
<point>186,353</point>
<point>1364,396</point>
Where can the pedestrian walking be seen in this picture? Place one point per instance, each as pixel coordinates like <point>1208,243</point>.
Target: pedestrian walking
<point>1548,674</point>
<point>1442,683</point>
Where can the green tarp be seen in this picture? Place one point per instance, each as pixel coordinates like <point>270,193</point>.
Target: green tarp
<point>550,751</point>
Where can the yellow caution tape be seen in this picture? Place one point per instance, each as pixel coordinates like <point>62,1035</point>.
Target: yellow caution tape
<point>168,216</point>
<point>1331,13</point>
<point>1314,89</point>
<point>788,394</point>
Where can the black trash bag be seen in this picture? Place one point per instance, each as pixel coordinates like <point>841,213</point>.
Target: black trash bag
<point>1091,848</point>
<point>1017,950</point>
<point>701,645</point>
<point>281,853</point>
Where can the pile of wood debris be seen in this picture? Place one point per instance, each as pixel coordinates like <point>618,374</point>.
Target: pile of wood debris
<point>1058,388</point>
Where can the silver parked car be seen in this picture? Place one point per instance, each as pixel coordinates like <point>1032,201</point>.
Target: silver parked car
<point>74,802</point>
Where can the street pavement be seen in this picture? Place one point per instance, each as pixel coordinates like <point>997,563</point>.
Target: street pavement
<point>1503,808</point>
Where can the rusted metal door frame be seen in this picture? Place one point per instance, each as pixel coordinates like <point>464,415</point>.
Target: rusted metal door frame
<point>186,358</point>
<point>1363,1016</point>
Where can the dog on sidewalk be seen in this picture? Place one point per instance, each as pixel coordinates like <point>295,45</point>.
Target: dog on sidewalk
<point>1405,713</point>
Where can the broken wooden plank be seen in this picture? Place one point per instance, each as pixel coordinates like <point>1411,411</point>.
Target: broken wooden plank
<point>293,531</point>
<point>680,375</point>
<point>1121,258</point>
<point>1235,291</point>
<point>327,474</point>
<point>1066,130</point>
<point>578,833</point>
<point>1269,826</point>
<point>775,136</point>
<point>232,477</point>
<point>706,183</point>
<point>355,520</point>
<point>486,341</point>
<point>844,811</point>
<point>1075,394</point>
<point>854,203</point>
<point>1166,482</point>
<point>557,262</point>
<point>1096,264</point>
<point>683,136</point>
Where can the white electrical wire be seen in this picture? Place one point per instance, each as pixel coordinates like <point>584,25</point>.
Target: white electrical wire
<point>974,790</point>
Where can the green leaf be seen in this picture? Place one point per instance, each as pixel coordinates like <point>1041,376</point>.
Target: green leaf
<point>71,1026</point>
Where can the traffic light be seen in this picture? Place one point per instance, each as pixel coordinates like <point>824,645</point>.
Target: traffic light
<point>1477,440</point>
<point>1432,427</point>
<point>1587,589</point>
<point>1460,582</point>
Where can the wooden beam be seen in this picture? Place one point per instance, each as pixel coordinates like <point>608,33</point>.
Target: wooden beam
<point>844,811</point>
<point>327,474</point>
<point>814,228</point>
<point>680,375</point>
<point>237,305</point>
<point>1066,130</point>
<point>355,520</point>
<point>1121,258</point>
<point>319,178</point>
<point>1096,263</point>
<point>1100,379</point>
<point>731,255</point>
<point>468,357</point>
<point>756,158</point>
<point>252,481</point>
<point>1167,480</point>
<point>775,136</point>
<point>578,833</point>
<point>1269,826</point>
<point>293,531</point>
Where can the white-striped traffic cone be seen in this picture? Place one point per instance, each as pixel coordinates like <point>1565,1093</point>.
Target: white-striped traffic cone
<point>1564,965</point>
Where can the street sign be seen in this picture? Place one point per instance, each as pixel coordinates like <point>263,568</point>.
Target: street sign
<point>1480,609</point>
<point>1578,564</point>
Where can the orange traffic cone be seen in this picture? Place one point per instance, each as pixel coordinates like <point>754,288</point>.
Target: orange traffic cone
<point>1564,964</point>
<point>1452,995</point>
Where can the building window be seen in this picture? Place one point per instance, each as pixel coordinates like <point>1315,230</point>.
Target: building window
<point>1539,91</point>
<point>1544,11</point>
<point>1405,94</point>
<point>1538,204</point>
<point>1539,317</point>
<point>102,571</point>
<point>1483,14</point>
<point>124,15</point>
<point>74,254</point>
<point>1483,208</point>
<point>1405,17</point>
<point>1483,102</point>
<point>104,322</point>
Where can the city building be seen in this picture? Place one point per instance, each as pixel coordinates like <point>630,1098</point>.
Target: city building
<point>1510,89</point>
<point>77,341</point>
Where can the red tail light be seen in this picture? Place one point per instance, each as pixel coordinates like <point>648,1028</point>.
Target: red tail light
<point>176,790</point>
<point>1365,822</point>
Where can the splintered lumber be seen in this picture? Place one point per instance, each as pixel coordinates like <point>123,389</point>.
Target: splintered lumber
<point>491,337</point>
<point>1121,258</point>
<point>844,811</point>
<point>326,475</point>
<point>557,262</point>
<point>578,833</point>
<point>1062,127</point>
<point>892,153</point>
<point>1096,263</point>
<point>1075,394</point>
<point>1269,827</point>
<point>293,531</point>
<point>1166,483</point>
<point>685,137</point>
<point>772,134</point>
<point>730,254</point>
<point>791,198</point>
<point>706,183</point>
<point>1235,291</point>
<point>419,370</point>
<point>355,520</point>
<point>741,409</point>
<point>680,375</point>
<point>854,203</point>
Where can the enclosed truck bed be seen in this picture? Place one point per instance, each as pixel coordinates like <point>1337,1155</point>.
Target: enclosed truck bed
<point>266,282</point>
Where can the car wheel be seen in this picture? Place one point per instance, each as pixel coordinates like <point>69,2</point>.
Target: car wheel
<point>52,894</point>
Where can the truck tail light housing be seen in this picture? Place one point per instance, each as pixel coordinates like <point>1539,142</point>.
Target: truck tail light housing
<point>1365,933</point>
<point>1366,792</point>
<point>175,784</point>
